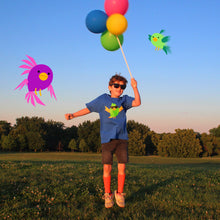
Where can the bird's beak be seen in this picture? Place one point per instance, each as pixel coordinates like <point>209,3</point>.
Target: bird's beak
<point>155,39</point>
<point>43,76</point>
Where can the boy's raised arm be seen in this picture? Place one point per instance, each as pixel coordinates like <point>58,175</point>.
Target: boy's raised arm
<point>81,112</point>
<point>137,98</point>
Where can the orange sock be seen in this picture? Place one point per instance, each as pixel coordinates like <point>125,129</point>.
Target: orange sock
<point>121,183</point>
<point>107,184</point>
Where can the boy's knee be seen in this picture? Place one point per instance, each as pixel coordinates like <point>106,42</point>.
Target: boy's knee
<point>121,168</point>
<point>107,168</point>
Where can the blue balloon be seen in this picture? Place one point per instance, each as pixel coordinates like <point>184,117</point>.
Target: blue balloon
<point>96,21</point>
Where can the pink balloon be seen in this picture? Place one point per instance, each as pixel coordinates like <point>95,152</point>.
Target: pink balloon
<point>116,6</point>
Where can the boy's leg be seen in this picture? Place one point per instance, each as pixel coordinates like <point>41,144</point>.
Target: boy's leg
<point>107,168</point>
<point>122,156</point>
<point>108,196</point>
<point>121,177</point>
<point>107,161</point>
<point>119,195</point>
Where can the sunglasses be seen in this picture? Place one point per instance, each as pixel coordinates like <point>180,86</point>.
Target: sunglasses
<point>116,85</point>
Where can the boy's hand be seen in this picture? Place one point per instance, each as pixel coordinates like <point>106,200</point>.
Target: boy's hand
<point>133,83</point>
<point>81,112</point>
<point>137,98</point>
<point>69,116</point>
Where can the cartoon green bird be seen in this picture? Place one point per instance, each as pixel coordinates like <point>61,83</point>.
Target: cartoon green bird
<point>159,41</point>
<point>113,110</point>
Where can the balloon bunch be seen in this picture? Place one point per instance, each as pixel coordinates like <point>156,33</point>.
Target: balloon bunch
<point>111,24</point>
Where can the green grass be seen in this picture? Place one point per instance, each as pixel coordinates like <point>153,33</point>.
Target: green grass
<point>69,186</point>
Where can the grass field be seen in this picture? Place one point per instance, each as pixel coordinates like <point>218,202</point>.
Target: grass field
<point>69,186</point>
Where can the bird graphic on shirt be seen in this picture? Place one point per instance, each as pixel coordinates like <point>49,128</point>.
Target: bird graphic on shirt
<point>113,110</point>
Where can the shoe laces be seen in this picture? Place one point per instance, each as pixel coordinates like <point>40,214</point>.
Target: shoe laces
<point>122,194</point>
<point>107,196</point>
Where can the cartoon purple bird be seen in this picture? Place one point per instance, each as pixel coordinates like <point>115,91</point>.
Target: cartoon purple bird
<point>39,78</point>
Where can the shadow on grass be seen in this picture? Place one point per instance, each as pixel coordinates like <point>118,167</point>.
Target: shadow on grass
<point>150,190</point>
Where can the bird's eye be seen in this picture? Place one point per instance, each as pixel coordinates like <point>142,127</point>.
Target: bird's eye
<point>48,73</point>
<point>152,36</point>
<point>38,71</point>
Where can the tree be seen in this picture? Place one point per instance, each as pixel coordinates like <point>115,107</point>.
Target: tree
<point>34,124</point>
<point>5,128</point>
<point>165,144</point>
<point>53,135</point>
<point>29,133</point>
<point>72,145</point>
<point>83,146</point>
<point>183,143</point>
<point>35,141</point>
<point>152,141</point>
<point>210,148</point>
<point>208,143</point>
<point>22,142</point>
<point>141,128</point>
<point>217,142</point>
<point>90,132</point>
<point>215,131</point>
<point>148,137</point>
<point>50,133</point>
<point>136,145</point>
<point>68,135</point>
<point>8,143</point>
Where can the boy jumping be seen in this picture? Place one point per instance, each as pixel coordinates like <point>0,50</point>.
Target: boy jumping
<point>113,131</point>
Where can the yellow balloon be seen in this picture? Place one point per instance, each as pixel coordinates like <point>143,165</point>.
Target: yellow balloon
<point>116,24</point>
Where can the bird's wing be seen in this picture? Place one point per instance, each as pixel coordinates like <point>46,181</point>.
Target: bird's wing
<point>166,49</point>
<point>23,83</point>
<point>120,109</point>
<point>165,39</point>
<point>162,31</point>
<point>52,94</point>
<point>149,37</point>
<point>107,109</point>
<point>38,100</point>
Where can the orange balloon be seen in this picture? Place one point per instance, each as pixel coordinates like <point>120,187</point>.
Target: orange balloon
<point>116,24</point>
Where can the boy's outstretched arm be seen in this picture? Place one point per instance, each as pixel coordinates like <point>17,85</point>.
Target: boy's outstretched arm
<point>81,112</point>
<point>137,98</point>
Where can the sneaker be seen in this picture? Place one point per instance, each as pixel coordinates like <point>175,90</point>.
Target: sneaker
<point>108,200</point>
<point>120,199</point>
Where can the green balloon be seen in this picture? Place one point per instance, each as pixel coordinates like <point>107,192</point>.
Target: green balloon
<point>109,41</point>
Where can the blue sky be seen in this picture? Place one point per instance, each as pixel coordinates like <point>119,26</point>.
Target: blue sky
<point>179,90</point>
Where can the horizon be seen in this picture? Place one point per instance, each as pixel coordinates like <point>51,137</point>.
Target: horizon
<point>68,126</point>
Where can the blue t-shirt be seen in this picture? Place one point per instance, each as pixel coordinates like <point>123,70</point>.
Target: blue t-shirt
<point>112,113</point>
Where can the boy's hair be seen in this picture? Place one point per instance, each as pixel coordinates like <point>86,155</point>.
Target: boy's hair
<point>117,77</point>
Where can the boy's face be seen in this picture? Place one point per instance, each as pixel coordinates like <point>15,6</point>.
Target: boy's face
<point>117,89</point>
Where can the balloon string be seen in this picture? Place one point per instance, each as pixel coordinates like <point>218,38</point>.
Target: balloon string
<point>124,57</point>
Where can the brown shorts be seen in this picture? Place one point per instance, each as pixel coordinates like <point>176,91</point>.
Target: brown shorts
<point>117,146</point>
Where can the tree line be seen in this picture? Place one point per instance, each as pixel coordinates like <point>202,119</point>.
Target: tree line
<point>36,134</point>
